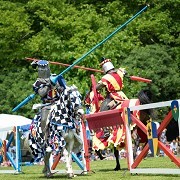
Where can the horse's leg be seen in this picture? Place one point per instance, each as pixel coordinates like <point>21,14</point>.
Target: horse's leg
<point>68,153</point>
<point>68,158</point>
<point>99,154</point>
<point>116,154</point>
<point>47,170</point>
<point>44,121</point>
<point>44,115</point>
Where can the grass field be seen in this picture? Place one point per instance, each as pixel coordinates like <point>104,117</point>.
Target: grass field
<point>99,170</point>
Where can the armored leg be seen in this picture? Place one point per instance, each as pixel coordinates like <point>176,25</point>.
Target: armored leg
<point>44,122</point>
<point>44,114</point>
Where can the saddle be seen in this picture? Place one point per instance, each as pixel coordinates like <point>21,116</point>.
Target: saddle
<point>109,104</point>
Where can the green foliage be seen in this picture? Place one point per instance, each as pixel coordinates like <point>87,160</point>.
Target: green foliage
<point>15,28</point>
<point>155,62</point>
<point>65,31</point>
<point>15,87</point>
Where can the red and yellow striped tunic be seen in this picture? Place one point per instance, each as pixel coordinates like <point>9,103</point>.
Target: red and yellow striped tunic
<point>114,84</point>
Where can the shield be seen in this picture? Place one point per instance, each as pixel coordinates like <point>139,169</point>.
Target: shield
<point>127,116</point>
<point>152,137</point>
<point>175,110</point>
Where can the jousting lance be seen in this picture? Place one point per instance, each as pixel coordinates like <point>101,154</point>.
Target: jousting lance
<point>133,78</point>
<point>26,100</point>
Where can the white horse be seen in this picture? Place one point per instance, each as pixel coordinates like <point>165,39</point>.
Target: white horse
<point>62,133</point>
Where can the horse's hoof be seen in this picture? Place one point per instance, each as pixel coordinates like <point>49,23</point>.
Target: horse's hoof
<point>101,158</point>
<point>71,175</point>
<point>49,175</point>
<point>117,168</point>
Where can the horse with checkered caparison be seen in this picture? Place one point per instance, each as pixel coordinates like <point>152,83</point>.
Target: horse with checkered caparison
<point>62,135</point>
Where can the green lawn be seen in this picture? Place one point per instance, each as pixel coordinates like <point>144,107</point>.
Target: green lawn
<point>99,170</point>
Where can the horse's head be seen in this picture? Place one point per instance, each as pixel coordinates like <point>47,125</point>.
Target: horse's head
<point>75,101</point>
<point>145,97</point>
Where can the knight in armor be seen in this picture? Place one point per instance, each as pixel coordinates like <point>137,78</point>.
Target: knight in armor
<point>49,94</point>
<point>59,110</point>
<point>112,81</point>
<point>43,86</point>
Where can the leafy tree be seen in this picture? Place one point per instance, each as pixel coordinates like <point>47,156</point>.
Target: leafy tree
<point>156,63</point>
<point>65,30</point>
<point>14,30</point>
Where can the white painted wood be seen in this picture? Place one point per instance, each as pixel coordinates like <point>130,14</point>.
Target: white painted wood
<point>154,171</point>
<point>152,105</point>
<point>129,148</point>
<point>8,171</point>
<point>64,171</point>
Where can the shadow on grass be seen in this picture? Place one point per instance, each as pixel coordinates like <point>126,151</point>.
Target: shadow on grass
<point>110,170</point>
<point>62,176</point>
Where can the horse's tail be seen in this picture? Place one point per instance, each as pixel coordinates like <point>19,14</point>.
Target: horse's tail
<point>145,97</point>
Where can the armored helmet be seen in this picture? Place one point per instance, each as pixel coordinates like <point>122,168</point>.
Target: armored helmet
<point>106,64</point>
<point>43,68</point>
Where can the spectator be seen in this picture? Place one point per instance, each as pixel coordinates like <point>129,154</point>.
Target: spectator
<point>174,146</point>
<point>167,144</point>
<point>109,154</point>
<point>122,153</point>
<point>136,141</point>
<point>178,148</point>
<point>1,157</point>
<point>139,150</point>
<point>94,156</point>
<point>163,139</point>
<point>3,162</point>
<point>12,150</point>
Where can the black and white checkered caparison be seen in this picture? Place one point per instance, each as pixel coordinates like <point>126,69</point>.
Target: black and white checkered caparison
<point>61,117</point>
<point>36,139</point>
<point>63,114</point>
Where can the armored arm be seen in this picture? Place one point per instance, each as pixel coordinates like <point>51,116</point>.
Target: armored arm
<point>99,86</point>
<point>43,91</point>
<point>42,86</point>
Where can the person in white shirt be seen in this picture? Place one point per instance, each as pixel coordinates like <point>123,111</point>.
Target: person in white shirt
<point>174,146</point>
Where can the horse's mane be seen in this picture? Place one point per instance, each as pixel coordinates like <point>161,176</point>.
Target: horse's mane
<point>145,97</point>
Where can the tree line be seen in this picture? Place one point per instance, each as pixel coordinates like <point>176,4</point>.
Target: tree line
<point>63,31</point>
